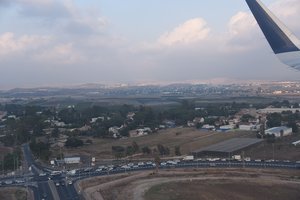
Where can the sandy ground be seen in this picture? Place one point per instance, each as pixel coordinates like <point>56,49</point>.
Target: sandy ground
<point>11,193</point>
<point>136,186</point>
<point>224,189</point>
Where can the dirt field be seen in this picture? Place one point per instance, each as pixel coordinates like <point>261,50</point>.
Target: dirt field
<point>188,139</point>
<point>218,184</point>
<point>223,190</point>
<point>280,150</point>
<point>14,194</point>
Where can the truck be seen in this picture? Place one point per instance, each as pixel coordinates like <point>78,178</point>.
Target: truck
<point>237,157</point>
<point>188,158</point>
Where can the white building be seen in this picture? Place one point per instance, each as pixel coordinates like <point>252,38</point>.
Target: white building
<point>72,160</point>
<point>277,110</point>
<point>279,131</point>
<point>247,127</point>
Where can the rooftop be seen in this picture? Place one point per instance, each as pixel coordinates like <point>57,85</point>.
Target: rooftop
<point>231,145</point>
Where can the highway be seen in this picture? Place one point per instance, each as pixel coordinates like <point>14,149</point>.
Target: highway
<point>60,185</point>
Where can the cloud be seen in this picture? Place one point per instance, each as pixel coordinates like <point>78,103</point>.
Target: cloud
<point>191,31</point>
<point>10,44</point>
<point>59,54</point>
<point>69,44</point>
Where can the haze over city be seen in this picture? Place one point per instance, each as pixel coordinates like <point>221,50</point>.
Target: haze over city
<point>65,42</point>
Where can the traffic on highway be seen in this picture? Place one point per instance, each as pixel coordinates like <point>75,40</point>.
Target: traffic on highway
<point>49,184</point>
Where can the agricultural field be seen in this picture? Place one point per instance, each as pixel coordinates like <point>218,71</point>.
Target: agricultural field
<point>188,139</point>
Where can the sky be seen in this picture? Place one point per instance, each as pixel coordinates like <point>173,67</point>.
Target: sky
<point>72,42</point>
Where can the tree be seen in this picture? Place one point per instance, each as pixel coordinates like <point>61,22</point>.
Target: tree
<point>274,119</point>
<point>157,162</point>
<point>246,118</point>
<point>163,150</point>
<point>55,132</point>
<point>146,150</point>
<point>135,147</point>
<point>40,150</point>
<point>73,142</point>
<point>177,151</point>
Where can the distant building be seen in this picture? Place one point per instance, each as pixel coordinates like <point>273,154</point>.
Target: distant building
<point>245,127</point>
<point>140,132</point>
<point>72,160</point>
<point>95,119</point>
<point>281,131</point>
<point>170,123</point>
<point>277,110</point>
<point>226,128</point>
<point>296,143</point>
<point>208,127</point>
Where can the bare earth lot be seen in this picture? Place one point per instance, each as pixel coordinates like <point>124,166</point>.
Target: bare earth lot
<point>192,184</point>
<point>224,190</point>
<point>14,194</point>
<point>188,139</point>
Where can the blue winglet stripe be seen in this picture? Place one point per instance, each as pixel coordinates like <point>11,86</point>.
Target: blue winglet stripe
<point>277,39</point>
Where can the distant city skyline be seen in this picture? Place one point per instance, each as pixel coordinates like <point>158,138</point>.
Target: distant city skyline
<point>73,42</point>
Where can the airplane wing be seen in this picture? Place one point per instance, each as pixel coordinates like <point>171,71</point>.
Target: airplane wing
<point>284,43</point>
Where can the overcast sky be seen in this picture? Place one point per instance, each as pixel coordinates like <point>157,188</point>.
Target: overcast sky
<point>69,42</point>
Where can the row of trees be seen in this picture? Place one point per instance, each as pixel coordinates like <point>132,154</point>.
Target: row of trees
<point>120,151</point>
<point>11,161</point>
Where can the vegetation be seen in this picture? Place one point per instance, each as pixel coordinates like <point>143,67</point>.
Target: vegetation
<point>73,142</point>
<point>11,161</point>
<point>41,150</point>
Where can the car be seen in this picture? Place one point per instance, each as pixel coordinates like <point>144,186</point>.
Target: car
<point>20,181</point>
<point>57,184</point>
<point>44,195</point>
<point>70,182</point>
<point>42,174</point>
<point>8,182</point>
<point>88,169</point>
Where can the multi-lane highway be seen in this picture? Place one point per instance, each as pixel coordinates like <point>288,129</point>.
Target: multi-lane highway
<point>54,185</point>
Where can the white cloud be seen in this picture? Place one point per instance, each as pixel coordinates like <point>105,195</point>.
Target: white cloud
<point>10,44</point>
<point>191,31</point>
<point>60,54</point>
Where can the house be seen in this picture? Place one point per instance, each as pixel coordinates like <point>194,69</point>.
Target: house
<point>191,124</point>
<point>140,132</point>
<point>281,131</point>
<point>95,119</point>
<point>246,127</point>
<point>226,128</point>
<point>170,123</point>
<point>130,115</point>
<point>72,160</point>
<point>2,114</point>
<point>208,127</point>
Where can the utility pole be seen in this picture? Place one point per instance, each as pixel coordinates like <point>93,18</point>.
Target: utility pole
<point>273,146</point>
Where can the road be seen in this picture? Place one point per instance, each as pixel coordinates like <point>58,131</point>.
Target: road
<point>59,185</point>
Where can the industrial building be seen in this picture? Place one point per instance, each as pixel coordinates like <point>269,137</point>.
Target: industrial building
<point>227,148</point>
<point>72,160</point>
<point>281,131</point>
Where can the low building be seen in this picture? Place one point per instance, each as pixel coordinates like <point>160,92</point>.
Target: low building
<point>277,110</point>
<point>226,128</point>
<point>281,131</point>
<point>72,160</point>
<point>227,148</point>
<point>247,127</point>
<point>296,143</point>
<point>208,127</point>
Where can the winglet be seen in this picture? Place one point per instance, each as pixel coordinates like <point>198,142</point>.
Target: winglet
<point>283,42</point>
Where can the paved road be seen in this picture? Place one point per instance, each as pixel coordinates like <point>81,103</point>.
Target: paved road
<point>65,191</point>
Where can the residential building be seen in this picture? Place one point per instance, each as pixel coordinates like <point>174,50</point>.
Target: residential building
<point>281,131</point>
